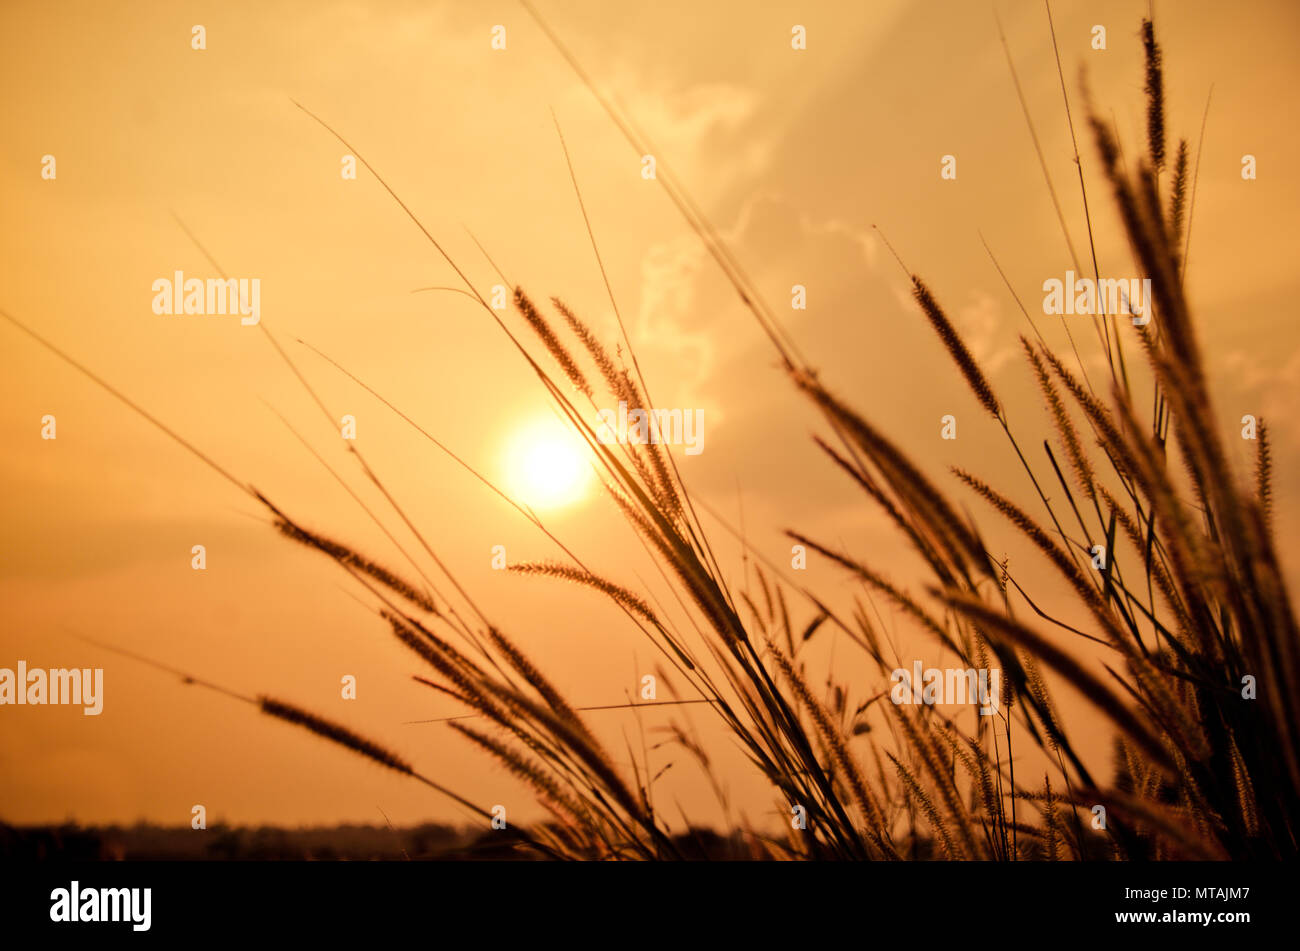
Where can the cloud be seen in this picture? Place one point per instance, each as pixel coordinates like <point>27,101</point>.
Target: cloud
<point>705,133</point>
<point>979,323</point>
<point>1270,392</point>
<point>687,307</point>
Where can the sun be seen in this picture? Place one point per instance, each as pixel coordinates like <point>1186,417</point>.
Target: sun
<point>546,464</point>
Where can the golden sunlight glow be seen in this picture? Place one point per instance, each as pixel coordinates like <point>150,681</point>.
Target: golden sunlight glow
<point>546,464</point>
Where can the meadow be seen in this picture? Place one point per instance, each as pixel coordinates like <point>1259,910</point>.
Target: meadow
<point>1138,511</point>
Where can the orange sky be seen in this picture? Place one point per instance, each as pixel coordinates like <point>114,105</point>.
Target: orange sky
<point>794,155</point>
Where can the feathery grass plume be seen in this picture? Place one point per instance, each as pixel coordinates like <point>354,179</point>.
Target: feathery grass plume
<point>993,807</point>
<point>948,734</point>
<point>1047,545</point>
<point>1025,829</point>
<point>916,730</point>
<point>698,584</point>
<point>1037,688</point>
<point>1052,845</point>
<point>573,737</point>
<point>498,703</point>
<point>1155,90</point>
<point>531,772</point>
<point>344,555</point>
<point>1111,440</point>
<point>623,596</point>
<point>628,599</point>
<point>1264,472</point>
<point>661,484</point>
<point>510,710</point>
<point>869,485</point>
<point>552,343</point>
<point>569,748</point>
<point>1179,370</point>
<point>343,736</point>
<point>899,597</point>
<point>1193,557</point>
<point>620,384</point>
<point>1246,796</point>
<point>408,628</point>
<point>1079,461</point>
<point>956,348</point>
<point>958,539</point>
<point>599,355</point>
<point>927,806</point>
<point>625,388</point>
<point>811,627</point>
<point>526,669</point>
<point>1143,220</point>
<point>843,759</point>
<point>1169,711</point>
<point>407,635</point>
<point>1178,197</point>
<point>333,732</point>
<point>759,624</point>
<point>463,673</point>
<point>1171,824</point>
<point>647,476</point>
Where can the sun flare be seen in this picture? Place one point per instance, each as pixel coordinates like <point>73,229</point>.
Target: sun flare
<point>546,465</point>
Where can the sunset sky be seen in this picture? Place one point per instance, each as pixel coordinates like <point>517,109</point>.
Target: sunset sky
<point>793,155</point>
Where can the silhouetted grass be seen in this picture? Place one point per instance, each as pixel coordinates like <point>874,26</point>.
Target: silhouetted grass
<point>1189,603</point>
